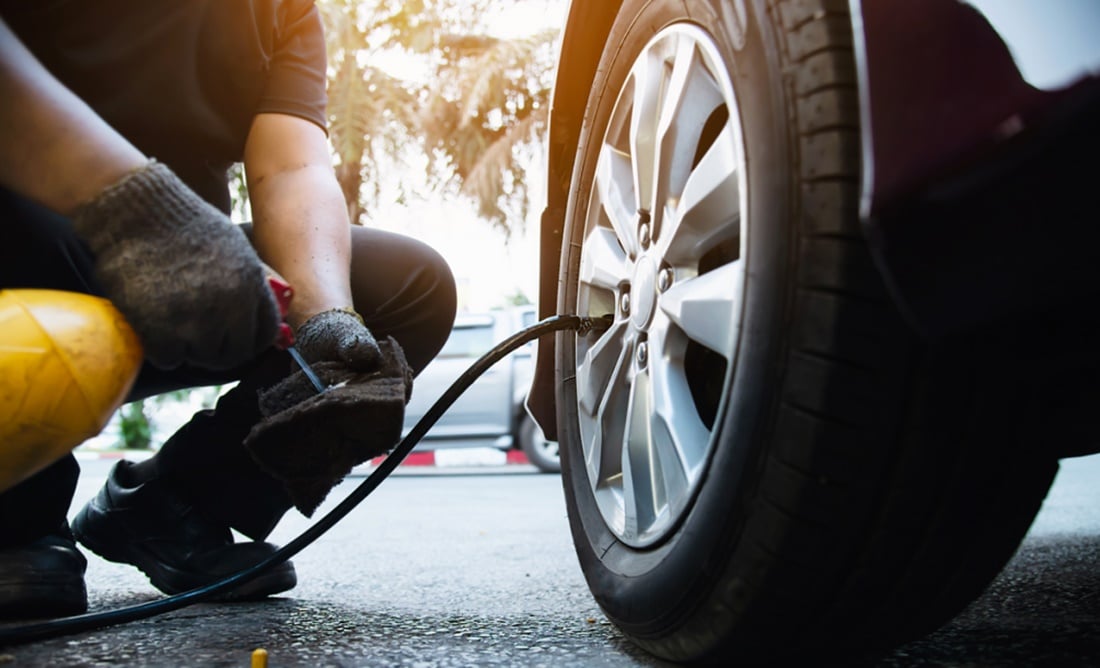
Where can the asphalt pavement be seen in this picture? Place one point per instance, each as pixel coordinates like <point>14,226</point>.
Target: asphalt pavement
<point>473,566</point>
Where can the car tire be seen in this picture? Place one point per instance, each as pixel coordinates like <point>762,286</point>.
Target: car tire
<point>760,459</point>
<point>539,451</point>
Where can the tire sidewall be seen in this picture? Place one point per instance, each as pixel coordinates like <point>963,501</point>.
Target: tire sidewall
<point>529,438</point>
<point>646,591</point>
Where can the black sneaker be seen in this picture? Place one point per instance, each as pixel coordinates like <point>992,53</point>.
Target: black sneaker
<point>43,579</point>
<point>150,527</point>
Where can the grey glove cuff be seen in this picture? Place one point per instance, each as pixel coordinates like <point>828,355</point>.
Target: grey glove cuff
<point>338,335</point>
<point>152,197</point>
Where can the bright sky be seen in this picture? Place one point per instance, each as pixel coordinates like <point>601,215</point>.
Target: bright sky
<point>488,270</point>
<point>526,16</point>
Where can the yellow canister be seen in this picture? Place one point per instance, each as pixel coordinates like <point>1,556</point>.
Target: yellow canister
<point>67,362</point>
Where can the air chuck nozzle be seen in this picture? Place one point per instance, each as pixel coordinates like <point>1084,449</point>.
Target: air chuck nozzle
<point>598,324</point>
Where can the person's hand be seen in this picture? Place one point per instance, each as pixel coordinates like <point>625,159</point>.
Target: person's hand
<point>310,441</point>
<point>183,275</point>
<point>358,416</point>
<point>338,335</point>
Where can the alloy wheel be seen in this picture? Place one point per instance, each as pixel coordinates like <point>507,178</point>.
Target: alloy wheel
<point>662,252</point>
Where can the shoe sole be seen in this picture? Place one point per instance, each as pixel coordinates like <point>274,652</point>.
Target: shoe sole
<point>31,594</point>
<point>276,579</point>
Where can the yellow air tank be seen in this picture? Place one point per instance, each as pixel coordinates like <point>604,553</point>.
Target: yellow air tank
<point>67,362</point>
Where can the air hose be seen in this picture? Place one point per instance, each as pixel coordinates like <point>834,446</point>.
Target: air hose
<point>14,635</point>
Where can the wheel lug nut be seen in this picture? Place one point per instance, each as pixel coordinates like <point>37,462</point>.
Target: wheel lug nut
<point>643,234</point>
<point>624,303</point>
<point>664,279</point>
<point>643,354</point>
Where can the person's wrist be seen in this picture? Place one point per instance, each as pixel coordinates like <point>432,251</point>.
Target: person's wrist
<point>147,200</point>
<point>325,313</point>
<point>350,310</point>
<point>338,334</point>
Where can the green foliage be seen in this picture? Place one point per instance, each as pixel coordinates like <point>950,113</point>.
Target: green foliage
<point>134,428</point>
<point>238,193</point>
<point>474,115</point>
<point>518,298</point>
<point>372,117</point>
<point>492,101</point>
<point>137,422</point>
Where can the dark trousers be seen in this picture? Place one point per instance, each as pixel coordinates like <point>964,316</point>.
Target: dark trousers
<point>400,286</point>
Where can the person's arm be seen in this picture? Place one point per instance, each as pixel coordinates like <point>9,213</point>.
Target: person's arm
<point>58,151</point>
<point>300,228</point>
<point>182,274</point>
<point>300,220</point>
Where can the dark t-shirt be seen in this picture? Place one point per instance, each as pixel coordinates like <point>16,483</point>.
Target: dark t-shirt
<point>182,79</point>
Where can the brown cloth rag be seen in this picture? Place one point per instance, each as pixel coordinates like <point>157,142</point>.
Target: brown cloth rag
<point>310,441</point>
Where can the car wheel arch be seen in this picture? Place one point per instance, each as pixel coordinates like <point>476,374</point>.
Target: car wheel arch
<point>587,26</point>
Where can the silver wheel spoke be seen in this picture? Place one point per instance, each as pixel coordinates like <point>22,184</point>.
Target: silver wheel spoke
<point>641,492</point>
<point>603,458</point>
<point>648,75</point>
<point>664,441</point>
<point>602,365</point>
<point>604,262</point>
<point>614,182</point>
<point>677,427</point>
<point>689,100</point>
<point>708,214</point>
<point>598,367</point>
<point>707,307</point>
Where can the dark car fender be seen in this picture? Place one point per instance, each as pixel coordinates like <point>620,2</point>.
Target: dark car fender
<point>586,28</point>
<point>976,118</point>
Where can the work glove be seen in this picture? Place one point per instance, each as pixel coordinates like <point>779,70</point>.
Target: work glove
<point>184,276</point>
<point>310,441</point>
<point>338,335</point>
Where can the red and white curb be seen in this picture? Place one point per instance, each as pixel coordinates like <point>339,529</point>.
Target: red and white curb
<point>460,457</point>
<point>446,458</point>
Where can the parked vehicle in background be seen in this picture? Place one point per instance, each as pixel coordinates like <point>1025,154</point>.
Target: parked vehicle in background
<point>851,254</point>
<point>491,412</point>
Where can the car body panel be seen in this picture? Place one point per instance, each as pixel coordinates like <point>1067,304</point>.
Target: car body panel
<point>944,82</point>
<point>976,118</point>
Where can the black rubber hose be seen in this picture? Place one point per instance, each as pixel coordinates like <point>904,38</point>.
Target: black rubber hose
<point>14,635</point>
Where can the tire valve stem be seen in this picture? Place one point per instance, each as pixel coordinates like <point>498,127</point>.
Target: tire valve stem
<point>598,325</point>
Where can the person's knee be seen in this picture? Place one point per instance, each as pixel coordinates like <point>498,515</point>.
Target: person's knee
<point>440,303</point>
<point>444,291</point>
<point>405,289</point>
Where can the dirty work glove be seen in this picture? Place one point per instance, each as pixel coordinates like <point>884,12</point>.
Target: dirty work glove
<point>182,273</point>
<point>310,442</point>
<point>338,335</point>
